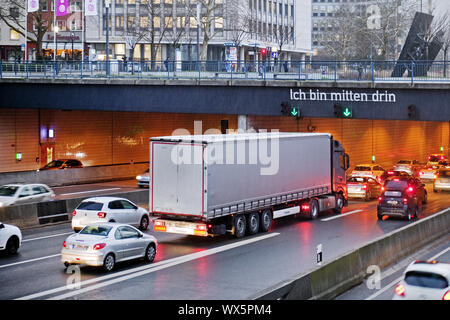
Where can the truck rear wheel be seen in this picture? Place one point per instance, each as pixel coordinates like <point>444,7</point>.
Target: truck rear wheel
<point>340,203</point>
<point>252,223</point>
<point>265,220</point>
<point>313,209</point>
<point>239,226</point>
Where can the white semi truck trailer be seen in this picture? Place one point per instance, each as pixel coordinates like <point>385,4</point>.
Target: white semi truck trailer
<point>213,184</point>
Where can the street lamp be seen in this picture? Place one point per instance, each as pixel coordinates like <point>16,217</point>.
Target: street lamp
<point>72,35</point>
<point>56,30</point>
<point>107,3</point>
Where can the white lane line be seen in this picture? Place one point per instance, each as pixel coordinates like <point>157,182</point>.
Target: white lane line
<point>28,261</point>
<point>139,271</point>
<point>341,215</point>
<point>90,191</point>
<point>46,237</point>
<point>391,284</point>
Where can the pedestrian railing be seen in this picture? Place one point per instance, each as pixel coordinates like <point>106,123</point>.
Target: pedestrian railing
<point>368,71</point>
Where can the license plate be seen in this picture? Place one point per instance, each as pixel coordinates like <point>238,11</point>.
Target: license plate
<point>392,194</point>
<point>392,202</point>
<point>79,247</point>
<point>180,230</point>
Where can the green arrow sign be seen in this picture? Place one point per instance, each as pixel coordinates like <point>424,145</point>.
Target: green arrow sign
<point>294,112</point>
<point>347,112</point>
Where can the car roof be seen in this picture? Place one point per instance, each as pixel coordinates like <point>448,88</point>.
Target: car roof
<point>103,199</point>
<point>110,224</point>
<point>400,177</point>
<point>366,165</point>
<point>430,266</point>
<point>24,184</point>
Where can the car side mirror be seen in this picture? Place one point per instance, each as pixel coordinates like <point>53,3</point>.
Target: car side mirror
<point>2,226</point>
<point>140,235</point>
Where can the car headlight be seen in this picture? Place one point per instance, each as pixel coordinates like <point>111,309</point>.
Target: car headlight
<point>138,177</point>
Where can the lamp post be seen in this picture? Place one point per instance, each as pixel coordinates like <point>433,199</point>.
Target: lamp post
<point>72,35</point>
<point>198,31</point>
<point>107,3</point>
<point>56,30</point>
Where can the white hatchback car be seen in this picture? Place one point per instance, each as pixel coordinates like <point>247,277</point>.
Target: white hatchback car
<point>10,238</point>
<point>109,209</point>
<point>424,280</point>
<point>25,193</point>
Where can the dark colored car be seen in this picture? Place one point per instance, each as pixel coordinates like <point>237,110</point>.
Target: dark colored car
<point>401,197</point>
<point>62,164</point>
<point>393,173</point>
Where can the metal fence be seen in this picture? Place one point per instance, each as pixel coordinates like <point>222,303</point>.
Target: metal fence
<point>335,71</point>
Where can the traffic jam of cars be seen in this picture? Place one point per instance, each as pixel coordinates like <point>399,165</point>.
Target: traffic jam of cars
<point>109,230</point>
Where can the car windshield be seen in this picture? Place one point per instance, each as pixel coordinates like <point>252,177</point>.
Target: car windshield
<point>357,180</point>
<point>444,173</point>
<point>54,164</point>
<point>404,162</point>
<point>426,279</point>
<point>96,230</point>
<point>8,191</point>
<point>363,168</point>
<point>396,184</point>
<point>90,205</point>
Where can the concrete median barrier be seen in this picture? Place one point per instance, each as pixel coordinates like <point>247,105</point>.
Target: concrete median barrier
<point>64,177</point>
<point>36,214</point>
<point>348,270</point>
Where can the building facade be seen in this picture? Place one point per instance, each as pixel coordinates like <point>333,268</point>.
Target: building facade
<point>324,17</point>
<point>237,30</point>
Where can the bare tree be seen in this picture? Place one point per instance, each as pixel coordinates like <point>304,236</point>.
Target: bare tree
<point>340,44</point>
<point>238,22</point>
<point>13,13</point>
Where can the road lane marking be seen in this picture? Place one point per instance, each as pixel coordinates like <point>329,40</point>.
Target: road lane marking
<point>46,237</point>
<point>28,261</point>
<point>376,294</point>
<point>139,271</point>
<point>341,215</point>
<point>89,191</point>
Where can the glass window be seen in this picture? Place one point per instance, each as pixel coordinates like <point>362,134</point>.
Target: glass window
<point>96,230</point>
<point>396,184</point>
<point>8,191</point>
<point>54,164</point>
<point>444,173</point>
<point>363,168</point>
<point>128,232</point>
<point>426,279</point>
<point>127,205</point>
<point>115,205</point>
<point>90,205</point>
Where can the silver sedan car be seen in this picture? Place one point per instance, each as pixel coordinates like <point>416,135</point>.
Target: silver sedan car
<point>105,244</point>
<point>442,180</point>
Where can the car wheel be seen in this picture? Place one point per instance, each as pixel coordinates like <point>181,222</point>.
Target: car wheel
<point>109,262</point>
<point>435,191</point>
<point>144,223</point>
<point>380,216</point>
<point>265,220</point>
<point>339,203</point>
<point>150,253</point>
<point>252,223</point>
<point>313,209</point>
<point>239,226</point>
<point>12,246</point>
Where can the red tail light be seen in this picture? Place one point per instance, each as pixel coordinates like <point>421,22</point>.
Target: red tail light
<point>64,244</point>
<point>405,201</point>
<point>99,246</point>
<point>101,214</point>
<point>383,188</point>
<point>399,290</point>
<point>74,213</point>
<point>201,227</point>
<point>305,207</point>
<point>380,199</point>
<point>390,172</point>
<point>446,296</point>
<point>421,172</point>
<point>442,158</point>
